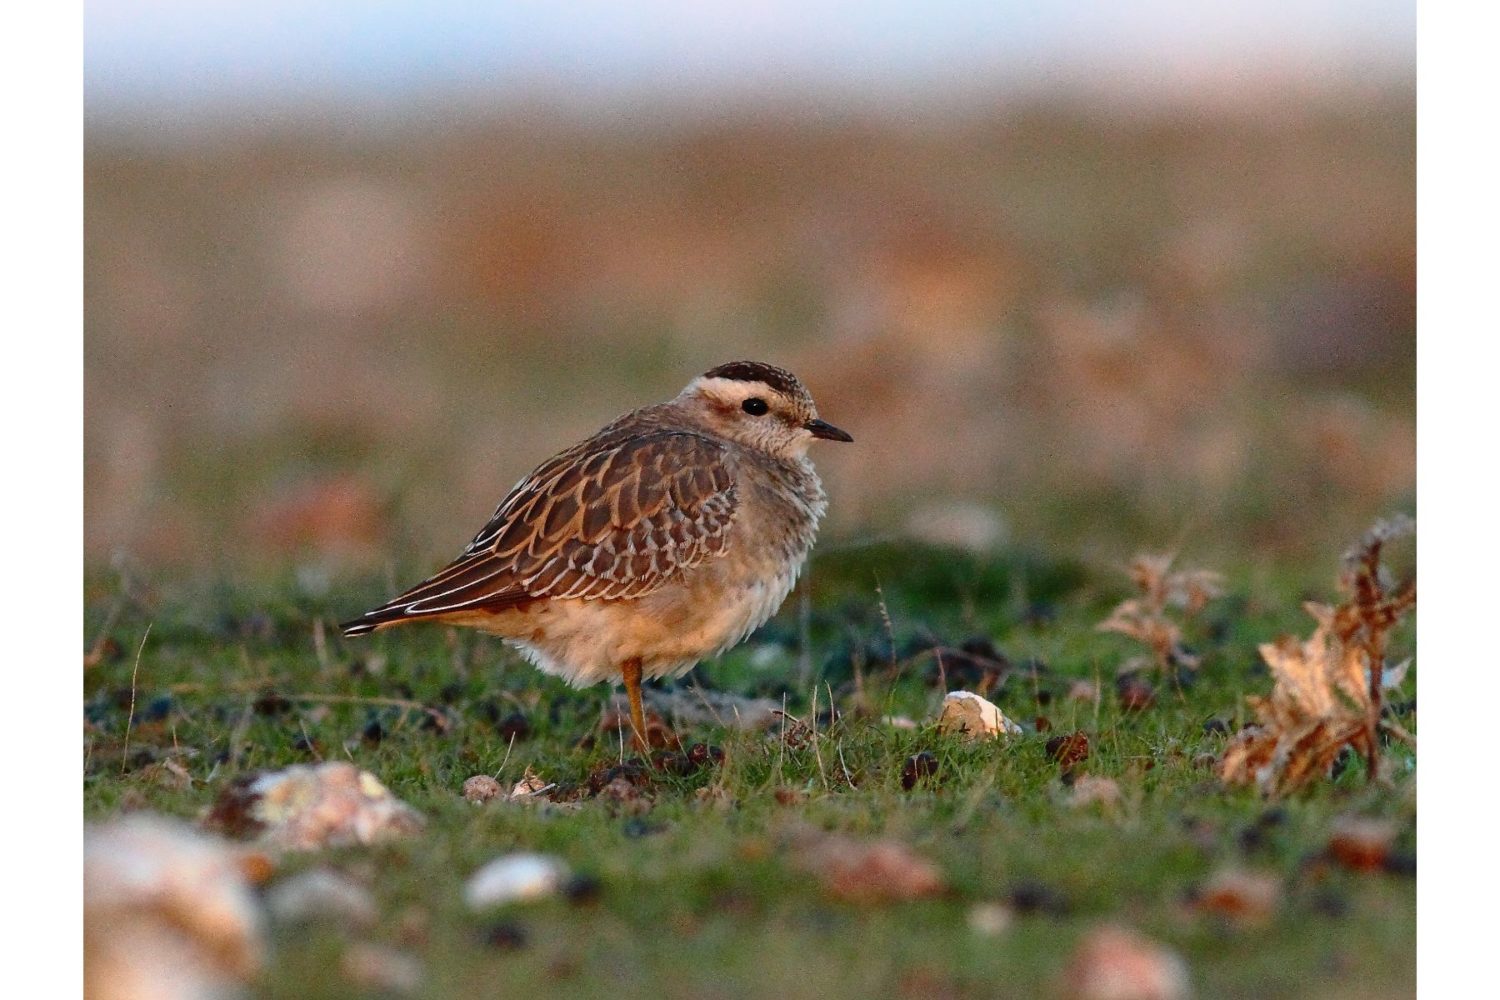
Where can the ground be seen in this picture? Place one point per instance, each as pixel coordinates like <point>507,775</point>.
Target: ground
<point>695,880</point>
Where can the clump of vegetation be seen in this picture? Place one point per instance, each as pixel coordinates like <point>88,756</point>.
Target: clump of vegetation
<point>1329,688</point>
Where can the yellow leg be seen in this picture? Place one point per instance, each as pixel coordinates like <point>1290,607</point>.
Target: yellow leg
<point>631,670</point>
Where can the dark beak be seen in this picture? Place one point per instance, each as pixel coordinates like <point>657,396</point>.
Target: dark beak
<point>823,429</point>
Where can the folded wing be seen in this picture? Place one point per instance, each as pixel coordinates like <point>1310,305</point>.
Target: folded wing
<point>609,519</point>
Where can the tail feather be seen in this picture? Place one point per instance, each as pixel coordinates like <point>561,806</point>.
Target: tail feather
<point>469,584</point>
<point>382,616</point>
<point>377,618</point>
<point>360,626</point>
<point>402,612</point>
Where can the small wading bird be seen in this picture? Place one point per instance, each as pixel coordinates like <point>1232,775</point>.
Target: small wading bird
<point>667,537</point>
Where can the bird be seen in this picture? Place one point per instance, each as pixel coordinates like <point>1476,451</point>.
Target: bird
<point>665,538</point>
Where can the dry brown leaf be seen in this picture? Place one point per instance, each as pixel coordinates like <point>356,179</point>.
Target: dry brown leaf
<point>1317,707</point>
<point>1148,618</point>
<point>1327,689</point>
<point>530,787</point>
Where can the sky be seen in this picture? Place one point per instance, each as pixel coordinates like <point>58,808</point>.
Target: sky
<point>181,56</point>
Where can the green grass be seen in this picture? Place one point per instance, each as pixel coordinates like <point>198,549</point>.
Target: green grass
<point>702,895</point>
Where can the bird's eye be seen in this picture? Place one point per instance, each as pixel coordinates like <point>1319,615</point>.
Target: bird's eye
<point>755,406</point>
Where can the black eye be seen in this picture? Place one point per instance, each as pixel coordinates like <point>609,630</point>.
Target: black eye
<point>755,406</point>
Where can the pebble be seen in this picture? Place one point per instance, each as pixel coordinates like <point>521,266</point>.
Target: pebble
<point>515,878</point>
<point>966,712</point>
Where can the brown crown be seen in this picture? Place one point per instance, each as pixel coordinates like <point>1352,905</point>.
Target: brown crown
<point>779,379</point>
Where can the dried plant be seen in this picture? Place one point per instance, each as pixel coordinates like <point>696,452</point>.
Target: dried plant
<point>1328,689</point>
<point>1167,600</point>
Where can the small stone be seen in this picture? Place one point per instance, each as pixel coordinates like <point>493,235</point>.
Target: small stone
<point>875,871</point>
<point>514,726</point>
<point>1083,691</point>
<point>1091,790</point>
<point>376,968</point>
<point>1330,903</point>
<point>414,926</point>
<point>515,878</point>
<point>990,919</point>
<point>967,713</point>
<point>1027,898</point>
<point>582,889</point>
<point>899,722</point>
<point>1113,963</point>
<point>505,936</point>
<point>322,894</point>
<point>1246,898</point>
<point>308,807</point>
<point>481,788</point>
<point>1401,863</point>
<point>167,912</point>
<point>1361,844</point>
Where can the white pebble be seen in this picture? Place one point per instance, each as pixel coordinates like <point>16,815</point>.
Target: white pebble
<point>966,712</point>
<point>514,878</point>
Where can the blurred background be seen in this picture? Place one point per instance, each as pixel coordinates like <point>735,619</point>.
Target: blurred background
<point>1088,277</point>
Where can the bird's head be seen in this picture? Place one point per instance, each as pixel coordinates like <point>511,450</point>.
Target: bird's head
<point>759,406</point>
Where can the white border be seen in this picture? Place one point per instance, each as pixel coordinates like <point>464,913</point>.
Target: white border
<point>41,257</point>
<point>1457,493</point>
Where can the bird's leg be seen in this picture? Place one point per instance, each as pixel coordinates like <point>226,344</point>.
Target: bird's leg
<point>631,670</point>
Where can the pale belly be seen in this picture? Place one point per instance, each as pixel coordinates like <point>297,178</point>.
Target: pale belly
<point>584,642</point>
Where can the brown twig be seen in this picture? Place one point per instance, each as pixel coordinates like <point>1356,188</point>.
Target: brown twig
<point>1374,614</point>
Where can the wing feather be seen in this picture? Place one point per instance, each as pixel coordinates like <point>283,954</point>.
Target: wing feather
<point>615,517</point>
